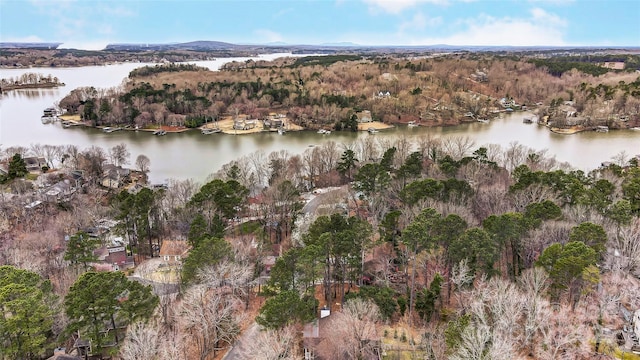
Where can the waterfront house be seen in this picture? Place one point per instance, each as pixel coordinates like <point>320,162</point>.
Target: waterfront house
<point>34,163</point>
<point>364,116</point>
<point>113,176</point>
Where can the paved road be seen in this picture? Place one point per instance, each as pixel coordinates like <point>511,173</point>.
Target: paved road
<point>238,352</point>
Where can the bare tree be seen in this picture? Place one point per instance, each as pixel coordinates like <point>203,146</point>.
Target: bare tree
<point>143,163</point>
<point>210,320</point>
<point>119,155</point>
<point>272,345</point>
<point>141,342</point>
<point>354,334</point>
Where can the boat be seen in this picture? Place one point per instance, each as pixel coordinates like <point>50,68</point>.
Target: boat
<point>412,124</point>
<point>324,132</point>
<point>49,115</point>
<point>210,131</point>
<point>372,130</point>
<point>160,132</point>
<point>484,121</point>
<point>281,131</point>
<point>508,110</point>
<point>527,120</point>
<point>47,119</point>
<point>67,124</point>
<point>602,128</point>
<point>108,129</point>
<point>635,128</point>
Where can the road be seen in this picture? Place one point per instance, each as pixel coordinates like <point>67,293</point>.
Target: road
<point>239,351</point>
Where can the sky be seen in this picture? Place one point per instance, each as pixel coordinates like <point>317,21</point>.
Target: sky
<point>92,24</point>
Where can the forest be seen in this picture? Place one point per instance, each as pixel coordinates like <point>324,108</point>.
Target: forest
<point>326,91</point>
<point>420,247</point>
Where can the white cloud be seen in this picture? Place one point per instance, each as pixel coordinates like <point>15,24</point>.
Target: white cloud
<point>418,22</point>
<point>487,30</point>
<point>266,35</point>
<point>397,6</point>
<point>543,16</point>
<point>535,28</point>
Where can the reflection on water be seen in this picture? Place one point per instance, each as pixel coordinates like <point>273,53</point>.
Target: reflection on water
<point>29,93</point>
<point>193,155</point>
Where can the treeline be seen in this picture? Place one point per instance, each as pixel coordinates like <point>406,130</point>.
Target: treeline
<point>150,70</point>
<point>435,91</point>
<point>324,60</point>
<point>557,67</point>
<point>30,79</point>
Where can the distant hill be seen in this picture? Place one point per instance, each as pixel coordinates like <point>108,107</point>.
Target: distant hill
<point>193,45</point>
<point>16,45</point>
<point>219,46</point>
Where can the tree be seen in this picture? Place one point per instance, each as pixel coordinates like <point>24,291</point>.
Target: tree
<point>143,163</point>
<point>592,235</point>
<point>412,167</point>
<point>142,342</point>
<point>26,316</point>
<point>421,189</point>
<point>119,154</point>
<point>477,246</point>
<point>347,163</point>
<point>271,344</point>
<point>371,179</point>
<point>507,231</point>
<point>426,299</point>
<point>287,307</point>
<point>17,167</point>
<point>354,334</point>
<point>566,264</point>
<point>211,319</point>
<point>536,213</point>
<point>631,189</point>
<point>99,305</point>
<point>80,249</point>
<point>210,251</point>
<point>227,197</point>
<point>421,234</point>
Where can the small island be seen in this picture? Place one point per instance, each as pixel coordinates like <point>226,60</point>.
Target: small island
<point>30,81</point>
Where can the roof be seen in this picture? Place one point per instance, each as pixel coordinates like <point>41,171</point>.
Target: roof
<point>174,247</point>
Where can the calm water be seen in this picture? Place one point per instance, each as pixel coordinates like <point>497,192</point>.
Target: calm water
<point>193,155</point>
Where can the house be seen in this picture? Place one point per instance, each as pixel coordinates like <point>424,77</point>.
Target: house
<point>4,170</point>
<point>34,163</point>
<point>274,121</point>
<point>173,251</point>
<point>112,258</point>
<point>364,116</point>
<point>383,95</point>
<point>318,347</point>
<point>113,176</point>
<point>507,103</point>
<point>61,190</point>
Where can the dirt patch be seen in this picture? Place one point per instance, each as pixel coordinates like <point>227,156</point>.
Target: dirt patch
<point>375,125</point>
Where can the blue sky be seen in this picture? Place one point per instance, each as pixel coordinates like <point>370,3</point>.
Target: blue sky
<point>91,24</point>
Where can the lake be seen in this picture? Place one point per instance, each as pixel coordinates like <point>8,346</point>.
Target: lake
<point>193,155</point>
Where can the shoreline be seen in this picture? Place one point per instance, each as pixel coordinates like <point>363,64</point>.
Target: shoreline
<point>30,86</point>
